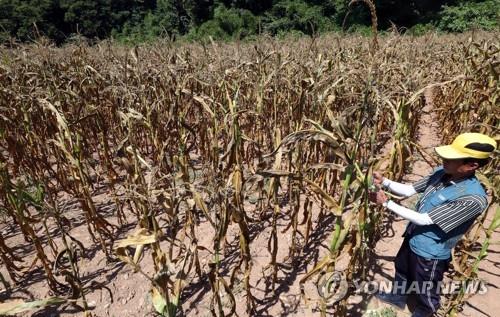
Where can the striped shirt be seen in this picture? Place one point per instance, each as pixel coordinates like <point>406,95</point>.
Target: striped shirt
<point>453,213</point>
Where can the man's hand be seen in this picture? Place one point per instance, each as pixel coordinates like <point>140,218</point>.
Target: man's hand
<point>378,178</point>
<point>378,197</point>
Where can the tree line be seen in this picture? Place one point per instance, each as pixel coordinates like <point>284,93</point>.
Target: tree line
<point>144,20</point>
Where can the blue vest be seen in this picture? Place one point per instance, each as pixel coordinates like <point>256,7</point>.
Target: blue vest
<point>430,241</point>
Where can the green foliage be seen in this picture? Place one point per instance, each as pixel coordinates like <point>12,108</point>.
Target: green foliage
<point>298,15</point>
<point>421,29</point>
<point>30,19</point>
<point>100,18</point>
<point>471,15</point>
<point>257,7</point>
<point>86,17</point>
<point>166,20</point>
<point>146,20</point>
<point>360,29</point>
<point>227,24</point>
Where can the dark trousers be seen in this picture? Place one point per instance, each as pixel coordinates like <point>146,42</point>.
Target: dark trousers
<point>419,276</point>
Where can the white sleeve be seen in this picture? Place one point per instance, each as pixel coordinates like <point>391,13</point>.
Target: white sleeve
<point>398,188</point>
<point>410,215</point>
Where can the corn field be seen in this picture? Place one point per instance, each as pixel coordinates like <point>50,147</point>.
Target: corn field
<point>225,176</point>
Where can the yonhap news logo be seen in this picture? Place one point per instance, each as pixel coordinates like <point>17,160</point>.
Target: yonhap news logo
<point>333,287</point>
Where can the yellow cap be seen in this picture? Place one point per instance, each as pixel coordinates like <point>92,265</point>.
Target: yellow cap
<point>468,145</point>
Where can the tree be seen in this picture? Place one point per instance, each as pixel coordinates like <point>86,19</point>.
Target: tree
<point>297,15</point>
<point>468,15</point>
<point>140,20</point>
<point>29,19</point>
<point>227,23</point>
<point>98,18</point>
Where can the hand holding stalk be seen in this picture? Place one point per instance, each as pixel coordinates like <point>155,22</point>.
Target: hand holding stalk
<point>378,197</point>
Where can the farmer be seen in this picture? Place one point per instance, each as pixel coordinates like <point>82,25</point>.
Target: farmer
<point>451,199</point>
